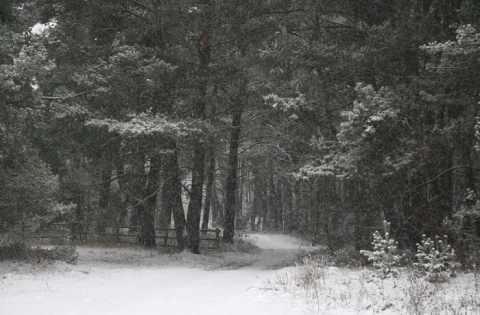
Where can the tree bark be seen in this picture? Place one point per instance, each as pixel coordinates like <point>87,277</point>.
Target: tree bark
<point>240,194</point>
<point>296,206</point>
<point>165,213</point>
<point>104,193</point>
<point>287,203</point>
<point>172,194</point>
<point>203,47</point>
<point>217,209</point>
<point>195,205</point>
<point>229,231</point>
<point>209,188</point>
<point>273,204</point>
<point>279,204</point>
<point>198,176</point>
<point>147,206</point>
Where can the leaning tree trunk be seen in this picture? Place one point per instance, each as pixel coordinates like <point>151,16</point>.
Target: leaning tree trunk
<point>229,231</point>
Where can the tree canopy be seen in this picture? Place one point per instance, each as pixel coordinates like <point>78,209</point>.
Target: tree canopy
<point>322,118</point>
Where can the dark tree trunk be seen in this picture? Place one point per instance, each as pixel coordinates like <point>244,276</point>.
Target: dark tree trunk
<point>361,12</point>
<point>312,210</point>
<point>279,205</point>
<point>259,194</point>
<point>195,205</point>
<point>296,206</point>
<point>231,192</point>
<point>165,213</point>
<point>265,204</point>
<point>287,204</point>
<point>203,47</point>
<point>172,194</point>
<point>448,9</point>
<point>104,194</point>
<point>272,200</point>
<point>217,209</point>
<point>209,188</point>
<point>239,199</point>
<point>148,205</point>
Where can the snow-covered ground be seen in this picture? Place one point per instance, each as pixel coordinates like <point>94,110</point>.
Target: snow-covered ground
<point>137,281</point>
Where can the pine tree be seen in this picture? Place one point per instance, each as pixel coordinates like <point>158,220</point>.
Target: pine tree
<point>385,255</point>
<point>436,259</point>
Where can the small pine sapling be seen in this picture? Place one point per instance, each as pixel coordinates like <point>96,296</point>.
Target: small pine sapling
<point>385,255</point>
<point>436,259</point>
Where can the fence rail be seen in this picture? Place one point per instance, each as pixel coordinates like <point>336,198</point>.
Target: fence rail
<point>79,232</point>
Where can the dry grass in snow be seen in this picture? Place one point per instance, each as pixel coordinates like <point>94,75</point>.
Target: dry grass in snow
<point>331,290</point>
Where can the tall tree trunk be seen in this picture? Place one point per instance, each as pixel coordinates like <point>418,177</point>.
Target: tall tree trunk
<point>104,193</point>
<point>148,205</point>
<point>217,209</point>
<point>287,202</point>
<point>239,199</point>
<point>229,231</point>
<point>266,213</point>
<point>209,188</point>
<point>172,193</point>
<point>195,205</point>
<point>165,213</point>
<point>296,206</point>
<point>203,47</point>
<point>448,9</point>
<point>312,211</point>
<point>279,205</point>
<point>272,197</point>
<point>198,175</point>
<point>361,12</point>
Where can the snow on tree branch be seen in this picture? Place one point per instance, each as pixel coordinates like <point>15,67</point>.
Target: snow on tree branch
<point>147,124</point>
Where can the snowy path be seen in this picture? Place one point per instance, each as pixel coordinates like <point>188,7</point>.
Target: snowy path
<point>132,281</point>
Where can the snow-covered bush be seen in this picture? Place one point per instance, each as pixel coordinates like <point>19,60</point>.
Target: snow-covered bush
<point>436,259</point>
<point>385,255</point>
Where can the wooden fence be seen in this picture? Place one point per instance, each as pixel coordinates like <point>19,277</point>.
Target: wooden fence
<point>79,232</point>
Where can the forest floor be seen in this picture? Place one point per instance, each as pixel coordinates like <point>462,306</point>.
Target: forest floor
<point>132,280</point>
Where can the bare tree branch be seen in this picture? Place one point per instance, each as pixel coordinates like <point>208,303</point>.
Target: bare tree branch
<point>61,97</point>
<point>146,7</point>
<point>436,177</point>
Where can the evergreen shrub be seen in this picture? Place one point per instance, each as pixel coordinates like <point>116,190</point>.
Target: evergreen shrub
<point>436,259</point>
<point>385,255</point>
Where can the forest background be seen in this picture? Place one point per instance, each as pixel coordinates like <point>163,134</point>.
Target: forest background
<point>321,118</point>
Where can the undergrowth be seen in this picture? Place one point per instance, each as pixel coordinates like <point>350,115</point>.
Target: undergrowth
<point>21,251</point>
